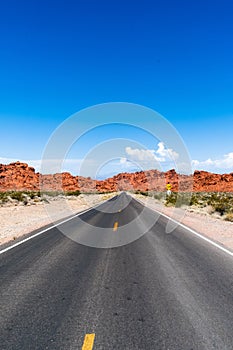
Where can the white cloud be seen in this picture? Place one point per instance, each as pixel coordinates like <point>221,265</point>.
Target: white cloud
<point>225,163</point>
<point>167,153</point>
<point>162,154</point>
<point>142,154</point>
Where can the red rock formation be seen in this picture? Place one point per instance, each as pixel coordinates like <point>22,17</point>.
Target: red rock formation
<point>58,182</point>
<point>19,176</point>
<point>209,182</point>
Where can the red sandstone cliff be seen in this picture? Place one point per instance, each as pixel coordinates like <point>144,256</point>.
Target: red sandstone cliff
<point>20,176</point>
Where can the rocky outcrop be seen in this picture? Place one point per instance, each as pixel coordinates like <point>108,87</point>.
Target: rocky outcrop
<point>209,182</point>
<point>19,176</point>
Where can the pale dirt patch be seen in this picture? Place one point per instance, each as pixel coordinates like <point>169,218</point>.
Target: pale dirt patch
<point>18,220</point>
<point>199,219</point>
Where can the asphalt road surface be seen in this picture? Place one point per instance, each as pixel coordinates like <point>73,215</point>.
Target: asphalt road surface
<point>161,291</point>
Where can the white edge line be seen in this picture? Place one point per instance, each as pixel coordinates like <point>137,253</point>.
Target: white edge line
<point>189,229</point>
<point>49,228</point>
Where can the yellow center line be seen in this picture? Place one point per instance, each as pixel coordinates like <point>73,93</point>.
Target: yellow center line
<point>88,342</point>
<point>115,227</point>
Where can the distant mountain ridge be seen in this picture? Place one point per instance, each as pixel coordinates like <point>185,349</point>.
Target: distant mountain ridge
<point>20,176</point>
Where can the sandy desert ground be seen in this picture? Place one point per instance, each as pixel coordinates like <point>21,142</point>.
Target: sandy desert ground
<point>211,226</point>
<point>19,220</point>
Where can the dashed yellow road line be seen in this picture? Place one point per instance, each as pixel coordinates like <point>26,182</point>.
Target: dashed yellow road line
<point>88,342</point>
<point>115,227</point>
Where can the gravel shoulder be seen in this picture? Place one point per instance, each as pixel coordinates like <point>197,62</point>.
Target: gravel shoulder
<point>211,226</point>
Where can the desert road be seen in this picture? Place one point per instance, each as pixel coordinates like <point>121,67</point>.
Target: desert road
<point>159,291</point>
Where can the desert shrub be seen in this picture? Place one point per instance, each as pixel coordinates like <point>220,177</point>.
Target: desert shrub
<point>229,217</point>
<point>183,199</point>
<point>171,200</point>
<point>33,194</point>
<point>194,199</point>
<point>72,193</point>
<point>17,195</point>
<point>159,195</point>
<point>95,192</point>
<point>221,202</point>
<point>144,193</point>
<point>51,193</point>
<point>3,197</point>
<point>220,208</point>
<point>150,194</point>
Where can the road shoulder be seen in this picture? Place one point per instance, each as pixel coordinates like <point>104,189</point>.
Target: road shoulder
<point>215,229</point>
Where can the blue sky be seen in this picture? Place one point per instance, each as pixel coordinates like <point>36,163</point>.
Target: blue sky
<point>174,56</point>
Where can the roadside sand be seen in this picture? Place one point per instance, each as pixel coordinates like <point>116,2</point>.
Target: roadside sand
<point>211,226</point>
<point>18,220</point>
